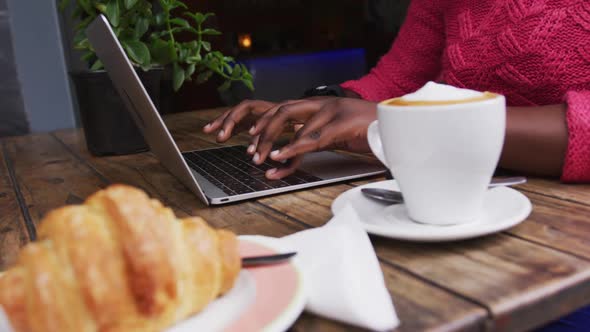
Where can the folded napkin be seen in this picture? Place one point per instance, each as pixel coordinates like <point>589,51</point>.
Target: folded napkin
<point>4,324</point>
<point>343,278</point>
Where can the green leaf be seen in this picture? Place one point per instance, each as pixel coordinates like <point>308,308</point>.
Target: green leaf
<point>137,51</point>
<point>199,17</point>
<point>163,51</point>
<point>87,56</point>
<point>215,65</point>
<point>204,76</point>
<point>207,15</point>
<point>145,9</point>
<point>172,51</point>
<point>249,84</point>
<point>192,45</point>
<point>218,55</point>
<point>141,27</point>
<point>158,34</point>
<point>206,45</point>
<point>130,3</point>
<point>101,7</point>
<point>86,6</point>
<point>191,15</point>
<point>79,36</point>
<point>84,23</point>
<point>212,62</point>
<point>229,69</point>
<point>193,30</point>
<point>245,72</point>
<point>82,44</point>
<point>160,18</point>
<point>177,76</point>
<point>127,34</point>
<point>190,70</point>
<point>96,66</point>
<point>226,85</point>
<point>237,71</point>
<point>210,32</point>
<point>194,59</point>
<point>176,4</point>
<point>180,22</point>
<point>183,53</point>
<point>113,13</point>
<point>165,4</point>
<point>118,32</point>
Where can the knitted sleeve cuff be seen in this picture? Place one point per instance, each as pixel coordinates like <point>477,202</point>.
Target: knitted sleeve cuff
<point>577,160</point>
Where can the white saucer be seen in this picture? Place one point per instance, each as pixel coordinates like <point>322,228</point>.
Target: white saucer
<point>503,208</point>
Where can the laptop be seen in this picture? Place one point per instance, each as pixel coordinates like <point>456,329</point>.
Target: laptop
<point>218,175</point>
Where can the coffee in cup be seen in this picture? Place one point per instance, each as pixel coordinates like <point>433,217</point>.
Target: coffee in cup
<point>417,102</point>
<point>442,145</point>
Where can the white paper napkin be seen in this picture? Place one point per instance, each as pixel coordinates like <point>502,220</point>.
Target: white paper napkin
<point>4,323</point>
<point>343,278</point>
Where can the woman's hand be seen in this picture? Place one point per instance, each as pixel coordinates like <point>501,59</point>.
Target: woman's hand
<point>251,114</point>
<point>336,123</point>
<point>238,118</point>
<point>536,140</point>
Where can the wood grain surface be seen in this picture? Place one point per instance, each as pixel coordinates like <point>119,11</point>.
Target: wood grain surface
<point>513,281</point>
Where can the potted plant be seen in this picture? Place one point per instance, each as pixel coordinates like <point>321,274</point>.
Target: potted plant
<point>154,35</point>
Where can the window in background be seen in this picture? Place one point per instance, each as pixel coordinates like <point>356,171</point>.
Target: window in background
<point>296,44</point>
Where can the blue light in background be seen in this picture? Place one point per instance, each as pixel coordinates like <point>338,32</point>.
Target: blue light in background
<point>288,76</point>
<point>342,55</point>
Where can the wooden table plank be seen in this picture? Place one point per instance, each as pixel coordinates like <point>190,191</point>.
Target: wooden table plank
<point>13,230</point>
<point>579,193</point>
<point>558,224</point>
<point>513,281</point>
<point>137,167</point>
<point>419,305</point>
<point>48,175</point>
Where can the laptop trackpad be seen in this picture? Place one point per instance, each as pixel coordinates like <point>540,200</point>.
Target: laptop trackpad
<point>330,165</point>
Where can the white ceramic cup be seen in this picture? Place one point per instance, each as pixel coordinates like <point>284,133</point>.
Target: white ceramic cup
<point>443,157</point>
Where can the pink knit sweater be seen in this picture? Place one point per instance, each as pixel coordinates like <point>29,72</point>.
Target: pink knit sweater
<point>535,52</point>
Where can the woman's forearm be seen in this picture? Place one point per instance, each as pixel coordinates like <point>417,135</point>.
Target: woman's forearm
<point>536,140</point>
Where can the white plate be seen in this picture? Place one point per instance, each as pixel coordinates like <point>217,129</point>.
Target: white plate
<point>268,298</point>
<point>503,208</point>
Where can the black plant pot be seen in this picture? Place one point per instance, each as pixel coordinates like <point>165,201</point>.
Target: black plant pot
<point>108,127</point>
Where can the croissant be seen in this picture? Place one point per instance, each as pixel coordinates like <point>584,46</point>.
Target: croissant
<point>119,262</point>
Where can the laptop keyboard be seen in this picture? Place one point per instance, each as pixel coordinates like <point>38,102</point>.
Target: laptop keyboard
<point>232,170</point>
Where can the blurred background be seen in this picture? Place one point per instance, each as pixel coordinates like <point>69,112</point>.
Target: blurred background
<point>287,45</point>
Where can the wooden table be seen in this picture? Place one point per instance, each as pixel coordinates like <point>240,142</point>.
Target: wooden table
<point>512,281</point>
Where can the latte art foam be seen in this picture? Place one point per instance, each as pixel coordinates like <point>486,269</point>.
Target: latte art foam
<point>433,94</point>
